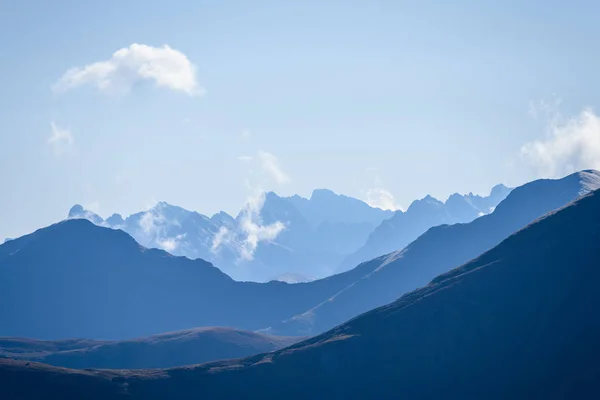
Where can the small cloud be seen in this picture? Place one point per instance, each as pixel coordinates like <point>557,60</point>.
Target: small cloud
<point>379,197</point>
<point>253,229</point>
<point>61,139</point>
<point>570,145</point>
<point>150,222</point>
<point>165,66</point>
<point>270,164</point>
<point>170,244</point>
<point>219,238</point>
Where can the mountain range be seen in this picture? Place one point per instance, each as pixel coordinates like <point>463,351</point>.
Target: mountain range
<point>83,280</point>
<point>438,250</point>
<point>403,227</point>
<point>292,238</point>
<point>272,237</point>
<point>192,346</point>
<point>518,321</point>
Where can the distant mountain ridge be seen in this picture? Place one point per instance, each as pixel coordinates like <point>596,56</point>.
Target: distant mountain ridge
<point>437,250</point>
<point>317,233</point>
<point>404,227</point>
<point>313,235</point>
<point>518,321</point>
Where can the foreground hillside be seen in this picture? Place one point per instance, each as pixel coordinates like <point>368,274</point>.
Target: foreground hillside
<point>519,321</point>
<point>166,350</point>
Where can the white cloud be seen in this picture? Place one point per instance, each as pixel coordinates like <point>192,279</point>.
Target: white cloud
<point>165,66</point>
<point>170,244</point>
<point>221,236</point>
<point>150,222</point>
<point>153,230</point>
<point>570,145</point>
<point>377,196</point>
<point>251,230</point>
<point>61,139</point>
<point>381,198</point>
<point>270,164</point>
<point>254,231</point>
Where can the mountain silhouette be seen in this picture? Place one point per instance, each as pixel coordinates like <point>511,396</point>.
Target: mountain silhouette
<point>77,279</point>
<point>518,321</point>
<point>438,250</point>
<point>192,346</point>
<point>404,227</point>
<point>319,232</point>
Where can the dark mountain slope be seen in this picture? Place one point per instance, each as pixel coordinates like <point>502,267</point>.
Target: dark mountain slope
<point>75,279</point>
<point>437,251</point>
<point>166,350</point>
<point>520,321</point>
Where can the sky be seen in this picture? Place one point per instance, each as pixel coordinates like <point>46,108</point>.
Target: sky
<point>117,105</point>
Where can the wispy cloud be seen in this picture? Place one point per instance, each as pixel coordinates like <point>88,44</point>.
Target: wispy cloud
<point>381,198</point>
<point>61,139</point>
<point>569,145</point>
<point>220,237</point>
<point>270,164</point>
<point>170,244</point>
<point>545,108</point>
<point>165,66</point>
<point>268,167</point>
<point>377,195</point>
<point>154,230</point>
<point>268,172</point>
<point>253,229</point>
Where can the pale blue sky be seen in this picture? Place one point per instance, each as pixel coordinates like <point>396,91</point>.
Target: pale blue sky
<point>413,97</point>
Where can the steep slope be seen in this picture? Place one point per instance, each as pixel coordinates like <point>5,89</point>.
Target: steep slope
<point>166,350</point>
<point>76,279</point>
<point>519,321</point>
<point>438,250</point>
<point>404,227</point>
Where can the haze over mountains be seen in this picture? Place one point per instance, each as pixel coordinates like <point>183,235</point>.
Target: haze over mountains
<point>83,280</point>
<point>292,238</point>
<point>519,320</point>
